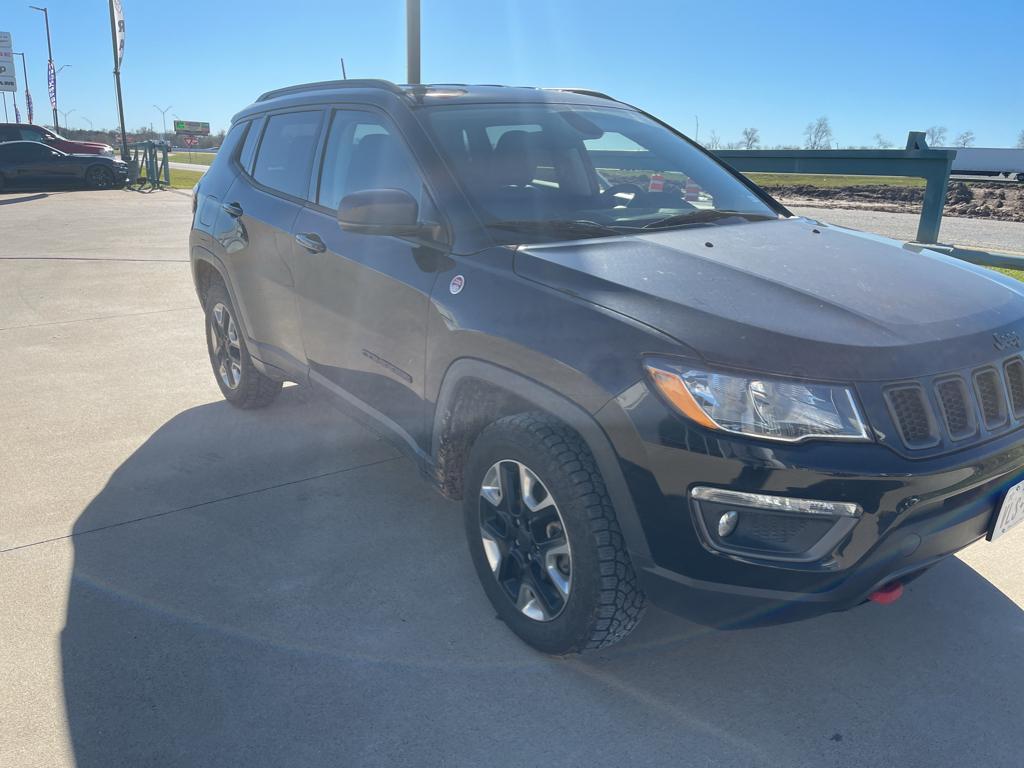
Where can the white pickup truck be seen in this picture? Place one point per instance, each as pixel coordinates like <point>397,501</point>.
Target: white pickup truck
<point>981,161</point>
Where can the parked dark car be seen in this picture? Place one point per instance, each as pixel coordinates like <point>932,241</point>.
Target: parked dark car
<point>31,164</point>
<point>643,377</point>
<point>27,132</point>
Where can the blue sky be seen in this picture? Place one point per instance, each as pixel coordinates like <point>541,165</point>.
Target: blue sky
<point>871,67</point>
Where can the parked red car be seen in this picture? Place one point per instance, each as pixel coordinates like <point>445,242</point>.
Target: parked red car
<point>25,132</point>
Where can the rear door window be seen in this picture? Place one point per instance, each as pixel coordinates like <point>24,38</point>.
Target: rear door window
<point>252,138</point>
<point>32,134</point>
<point>285,157</point>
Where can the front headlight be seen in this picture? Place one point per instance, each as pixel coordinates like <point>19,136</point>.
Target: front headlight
<point>108,152</point>
<point>758,406</point>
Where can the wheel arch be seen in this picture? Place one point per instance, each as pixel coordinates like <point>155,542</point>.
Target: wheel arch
<point>475,393</point>
<point>206,267</point>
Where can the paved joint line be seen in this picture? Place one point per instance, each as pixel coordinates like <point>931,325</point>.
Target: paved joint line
<point>93,258</point>
<point>99,317</point>
<point>200,504</point>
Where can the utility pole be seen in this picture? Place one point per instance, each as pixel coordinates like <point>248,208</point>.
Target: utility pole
<point>163,116</point>
<point>412,40</point>
<point>52,72</point>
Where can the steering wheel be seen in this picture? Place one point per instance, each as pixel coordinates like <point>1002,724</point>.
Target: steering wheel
<point>626,186</point>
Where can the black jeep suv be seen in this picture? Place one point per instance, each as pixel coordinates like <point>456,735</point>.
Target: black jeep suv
<point>644,377</point>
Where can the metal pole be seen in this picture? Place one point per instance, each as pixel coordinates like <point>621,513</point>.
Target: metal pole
<point>343,75</point>
<point>696,134</point>
<point>412,40</point>
<point>4,94</point>
<point>49,52</point>
<point>117,81</point>
<point>163,116</point>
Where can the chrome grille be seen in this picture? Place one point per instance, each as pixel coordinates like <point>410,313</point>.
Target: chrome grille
<point>955,407</point>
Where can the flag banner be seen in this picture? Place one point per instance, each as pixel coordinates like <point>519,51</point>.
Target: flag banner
<point>28,104</point>
<point>118,10</point>
<point>51,83</point>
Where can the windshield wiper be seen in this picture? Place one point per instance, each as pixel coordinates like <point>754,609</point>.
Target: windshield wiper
<point>562,226</point>
<point>701,217</point>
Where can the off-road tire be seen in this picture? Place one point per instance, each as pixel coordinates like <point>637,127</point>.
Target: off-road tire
<point>254,389</point>
<point>605,602</point>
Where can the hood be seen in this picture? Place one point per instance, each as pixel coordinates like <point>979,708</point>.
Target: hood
<point>90,145</point>
<point>793,297</point>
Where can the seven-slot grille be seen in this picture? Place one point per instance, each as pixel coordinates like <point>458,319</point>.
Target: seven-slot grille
<point>959,406</point>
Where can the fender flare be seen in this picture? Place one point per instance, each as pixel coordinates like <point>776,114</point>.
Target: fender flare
<point>202,254</point>
<point>550,401</point>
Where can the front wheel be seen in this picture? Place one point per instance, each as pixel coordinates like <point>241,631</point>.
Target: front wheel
<point>544,538</point>
<point>99,177</point>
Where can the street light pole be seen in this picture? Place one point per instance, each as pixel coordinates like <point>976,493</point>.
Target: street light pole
<point>66,116</point>
<point>163,116</point>
<point>88,121</point>
<point>49,51</point>
<point>412,40</point>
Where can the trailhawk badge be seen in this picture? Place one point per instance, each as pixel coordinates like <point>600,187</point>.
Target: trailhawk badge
<point>457,284</point>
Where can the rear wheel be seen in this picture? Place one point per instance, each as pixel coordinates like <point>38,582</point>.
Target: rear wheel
<point>544,538</point>
<point>98,177</point>
<point>239,380</point>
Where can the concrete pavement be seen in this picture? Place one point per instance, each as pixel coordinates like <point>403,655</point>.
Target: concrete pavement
<point>184,584</point>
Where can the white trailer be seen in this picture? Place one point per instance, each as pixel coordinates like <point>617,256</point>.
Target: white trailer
<point>994,163</point>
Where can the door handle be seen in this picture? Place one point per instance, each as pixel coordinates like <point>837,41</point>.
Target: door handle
<point>311,242</point>
<point>232,209</point>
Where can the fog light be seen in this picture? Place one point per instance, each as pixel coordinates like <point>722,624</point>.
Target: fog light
<point>727,523</point>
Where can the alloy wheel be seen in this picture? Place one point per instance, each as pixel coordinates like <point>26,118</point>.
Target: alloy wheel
<point>225,346</point>
<point>100,178</point>
<point>524,539</point>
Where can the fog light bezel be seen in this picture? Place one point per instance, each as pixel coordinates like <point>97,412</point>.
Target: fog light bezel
<point>843,515</point>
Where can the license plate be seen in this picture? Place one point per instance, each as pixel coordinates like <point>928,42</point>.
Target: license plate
<point>1011,512</point>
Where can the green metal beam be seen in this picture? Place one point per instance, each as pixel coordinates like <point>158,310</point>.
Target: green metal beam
<point>916,161</point>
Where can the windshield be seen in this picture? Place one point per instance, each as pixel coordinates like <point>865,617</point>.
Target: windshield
<point>556,171</point>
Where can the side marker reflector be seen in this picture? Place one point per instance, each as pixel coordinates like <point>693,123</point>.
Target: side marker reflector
<point>888,594</point>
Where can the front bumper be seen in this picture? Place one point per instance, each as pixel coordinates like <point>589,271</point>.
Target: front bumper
<point>915,513</point>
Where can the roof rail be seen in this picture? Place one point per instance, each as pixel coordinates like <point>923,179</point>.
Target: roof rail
<point>584,92</point>
<point>386,85</point>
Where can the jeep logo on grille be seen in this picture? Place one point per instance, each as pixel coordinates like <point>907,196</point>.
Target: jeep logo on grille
<point>1006,340</point>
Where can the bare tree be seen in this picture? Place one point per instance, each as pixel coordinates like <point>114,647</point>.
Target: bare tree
<point>1020,140</point>
<point>750,138</point>
<point>714,141</point>
<point>935,135</point>
<point>965,139</point>
<point>818,135</point>
<point>881,142</point>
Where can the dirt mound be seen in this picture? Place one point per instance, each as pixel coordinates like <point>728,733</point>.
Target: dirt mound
<point>978,200</point>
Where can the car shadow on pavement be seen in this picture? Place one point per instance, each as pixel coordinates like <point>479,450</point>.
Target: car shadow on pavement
<point>23,199</point>
<point>291,593</point>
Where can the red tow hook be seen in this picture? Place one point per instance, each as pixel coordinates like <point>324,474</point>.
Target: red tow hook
<point>888,594</point>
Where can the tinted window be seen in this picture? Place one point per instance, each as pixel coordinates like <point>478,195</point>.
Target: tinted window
<point>7,152</point>
<point>32,134</point>
<point>7,133</point>
<point>232,140</point>
<point>21,152</point>
<point>285,157</point>
<point>363,152</point>
<point>249,148</point>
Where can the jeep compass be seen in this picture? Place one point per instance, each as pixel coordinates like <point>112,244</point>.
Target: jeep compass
<point>643,377</point>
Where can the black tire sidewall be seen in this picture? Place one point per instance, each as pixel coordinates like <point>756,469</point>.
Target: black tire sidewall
<point>570,630</point>
<point>217,294</point>
<point>95,172</point>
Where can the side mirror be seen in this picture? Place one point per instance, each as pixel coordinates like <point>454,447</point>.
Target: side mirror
<point>382,212</point>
